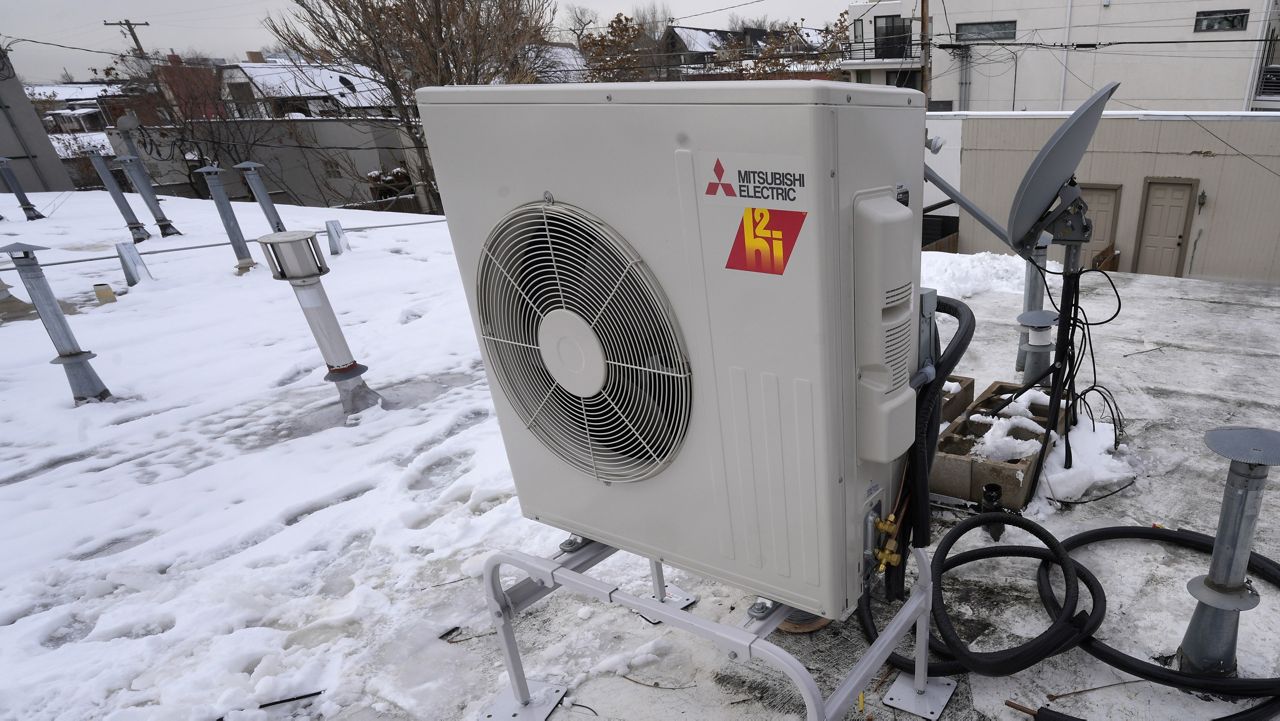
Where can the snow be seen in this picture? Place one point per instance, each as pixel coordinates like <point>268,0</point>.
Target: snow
<point>277,79</point>
<point>697,40</point>
<point>74,112</point>
<point>220,536</point>
<point>74,145</point>
<point>963,276</point>
<point>68,92</point>
<point>998,445</point>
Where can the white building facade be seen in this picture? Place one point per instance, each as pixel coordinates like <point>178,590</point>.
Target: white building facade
<point>1004,55</point>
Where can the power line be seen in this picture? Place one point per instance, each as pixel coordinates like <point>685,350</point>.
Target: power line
<point>1202,126</point>
<point>656,21</point>
<point>17,40</point>
<point>130,26</point>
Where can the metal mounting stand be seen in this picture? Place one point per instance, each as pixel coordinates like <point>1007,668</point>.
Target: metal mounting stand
<point>925,697</point>
<point>1209,645</point>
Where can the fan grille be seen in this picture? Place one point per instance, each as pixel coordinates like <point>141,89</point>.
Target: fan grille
<point>545,257</point>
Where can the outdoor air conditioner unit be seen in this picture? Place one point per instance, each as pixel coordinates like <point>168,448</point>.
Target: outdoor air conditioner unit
<point>697,304</point>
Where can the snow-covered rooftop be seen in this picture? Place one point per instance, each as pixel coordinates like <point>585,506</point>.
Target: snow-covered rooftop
<point>74,111</point>
<point>812,36</point>
<point>72,91</point>
<point>74,145</point>
<point>221,536</point>
<point>350,87</point>
<point>699,40</point>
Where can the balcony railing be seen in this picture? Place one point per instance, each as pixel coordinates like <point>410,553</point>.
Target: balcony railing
<point>905,47</point>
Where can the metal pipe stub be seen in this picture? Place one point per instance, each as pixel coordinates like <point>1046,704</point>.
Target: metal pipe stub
<point>1209,645</point>
<point>1038,326</point>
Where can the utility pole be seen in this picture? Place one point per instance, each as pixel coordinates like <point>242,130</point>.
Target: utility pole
<point>926,62</point>
<point>141,54</point>
<point>130,25</point>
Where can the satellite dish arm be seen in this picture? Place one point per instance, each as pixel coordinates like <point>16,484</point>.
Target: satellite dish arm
<point>970,207</point>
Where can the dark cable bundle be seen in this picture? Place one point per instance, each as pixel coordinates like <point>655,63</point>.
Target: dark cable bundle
<point>1070,627</point>
<point>1074,345</point>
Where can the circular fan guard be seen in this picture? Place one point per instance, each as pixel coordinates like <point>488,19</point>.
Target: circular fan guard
<point>544,257</point>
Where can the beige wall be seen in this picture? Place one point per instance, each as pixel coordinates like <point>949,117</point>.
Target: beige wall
<point>1235,236</point>
<point>1183,75</point>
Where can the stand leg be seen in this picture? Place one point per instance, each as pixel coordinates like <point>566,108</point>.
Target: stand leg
<point>918,694</point>
<point>659,583</point>
<point>516,703</point>
<point>922,634</point>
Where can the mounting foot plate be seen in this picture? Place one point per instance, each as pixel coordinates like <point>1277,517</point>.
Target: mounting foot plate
<point>902,696</point>
<point>677,597</point>
<point>543,699</point>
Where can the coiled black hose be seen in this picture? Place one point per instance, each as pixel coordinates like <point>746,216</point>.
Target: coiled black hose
<point>1069,629</point>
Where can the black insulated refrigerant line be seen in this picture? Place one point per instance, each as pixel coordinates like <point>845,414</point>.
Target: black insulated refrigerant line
<point>914,527</point>
<point>1069,627</point>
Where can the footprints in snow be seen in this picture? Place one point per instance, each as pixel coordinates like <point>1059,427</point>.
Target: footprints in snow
<point>323,504</point>
<point>49,465</point>
<point>114,546</point>
<point>441,470</point>
<point>462,423</point>
<point>78,628</point>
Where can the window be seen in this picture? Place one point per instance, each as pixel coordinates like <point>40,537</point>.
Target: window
<point>971,32</point>
<point>940,106</point>
<point>857,31</point>
<point>862,76</point>
<point>1211,21</point>
<point>893,36</point>
<point>903,78</point>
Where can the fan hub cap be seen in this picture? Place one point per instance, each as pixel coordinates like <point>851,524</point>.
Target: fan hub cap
<point>572,352</point>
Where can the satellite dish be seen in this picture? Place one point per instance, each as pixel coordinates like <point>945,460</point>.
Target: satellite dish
<point>1053,167</point>
<point>128,121</point>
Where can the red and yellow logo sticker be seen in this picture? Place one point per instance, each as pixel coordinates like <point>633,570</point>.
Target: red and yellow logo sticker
<point>765,240</point>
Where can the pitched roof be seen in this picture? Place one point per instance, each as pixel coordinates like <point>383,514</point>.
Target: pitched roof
<point>349,86</point>
<point>702,40</point>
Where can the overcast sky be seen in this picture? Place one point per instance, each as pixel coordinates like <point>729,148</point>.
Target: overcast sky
<point>227,28</point>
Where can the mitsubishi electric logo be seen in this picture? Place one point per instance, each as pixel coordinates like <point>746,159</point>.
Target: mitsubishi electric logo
<point>757,184</point>
<point>718,184</point>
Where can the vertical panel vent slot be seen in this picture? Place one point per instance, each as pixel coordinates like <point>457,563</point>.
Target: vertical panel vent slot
<point>897,353</point>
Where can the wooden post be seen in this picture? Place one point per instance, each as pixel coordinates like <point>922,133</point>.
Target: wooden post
<point>926,65</point>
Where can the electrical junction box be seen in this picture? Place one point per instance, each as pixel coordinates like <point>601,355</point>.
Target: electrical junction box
<point>697,306</point>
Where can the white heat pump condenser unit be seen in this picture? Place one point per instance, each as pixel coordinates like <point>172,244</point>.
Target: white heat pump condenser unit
<point>697,307</point>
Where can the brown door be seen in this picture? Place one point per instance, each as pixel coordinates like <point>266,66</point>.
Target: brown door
<point>1165,214</point>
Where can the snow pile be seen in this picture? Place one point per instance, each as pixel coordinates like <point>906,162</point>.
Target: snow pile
<point>1096,466</point>
<point>962,276</point>
<point>997,444</point>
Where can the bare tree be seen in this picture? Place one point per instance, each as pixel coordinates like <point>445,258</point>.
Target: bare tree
<point>737,22</point>
<point>402,45</point>
<point>578,21</point>
<point>652,19</point>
